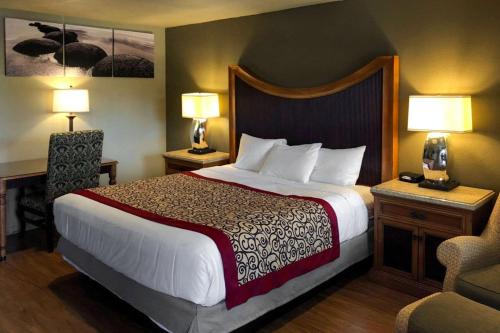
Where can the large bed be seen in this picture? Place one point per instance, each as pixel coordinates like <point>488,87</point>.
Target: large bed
<point>177,276</point>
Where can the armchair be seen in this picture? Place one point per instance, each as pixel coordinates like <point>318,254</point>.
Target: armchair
<point>466,253</point>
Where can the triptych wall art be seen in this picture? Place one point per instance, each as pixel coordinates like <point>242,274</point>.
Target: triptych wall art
<point>34,48</point>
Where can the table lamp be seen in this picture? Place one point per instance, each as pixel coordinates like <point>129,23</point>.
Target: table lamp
<point>70,101</point>
<point>439,115</point>
<point>200,107</point>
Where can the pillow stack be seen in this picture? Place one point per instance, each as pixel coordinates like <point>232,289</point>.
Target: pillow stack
<point>302,163</point>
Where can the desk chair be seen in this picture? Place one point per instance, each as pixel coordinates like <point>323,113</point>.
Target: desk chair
<point>74,163</point>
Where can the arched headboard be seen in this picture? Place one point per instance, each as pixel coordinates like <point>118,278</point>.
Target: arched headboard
<point>360,109</point>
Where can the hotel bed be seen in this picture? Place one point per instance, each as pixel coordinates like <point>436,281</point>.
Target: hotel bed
<point>177,276</point>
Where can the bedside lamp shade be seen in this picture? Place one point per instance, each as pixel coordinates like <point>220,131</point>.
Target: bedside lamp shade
<point>71,100</point>
<point>440,114</point>
<point>200,105</point>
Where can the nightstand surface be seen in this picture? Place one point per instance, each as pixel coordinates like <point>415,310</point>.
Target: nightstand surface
<point>468,198</point>
<point>201,159</point>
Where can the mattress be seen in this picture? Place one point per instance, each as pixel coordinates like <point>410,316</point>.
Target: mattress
<point>179,262</point>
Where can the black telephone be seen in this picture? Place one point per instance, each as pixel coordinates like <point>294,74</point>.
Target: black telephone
<point>411,177</point>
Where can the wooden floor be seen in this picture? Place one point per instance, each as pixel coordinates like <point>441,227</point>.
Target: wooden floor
<point>39,292</point>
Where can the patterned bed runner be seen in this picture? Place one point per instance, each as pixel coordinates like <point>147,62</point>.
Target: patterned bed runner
<point>264,238</point>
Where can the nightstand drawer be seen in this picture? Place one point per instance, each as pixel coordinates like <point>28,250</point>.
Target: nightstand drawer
<point>424,216</point>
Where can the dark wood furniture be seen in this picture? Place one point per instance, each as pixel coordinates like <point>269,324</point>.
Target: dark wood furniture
<point>181,160</point>
<point>360,109</point>
<point>411,222</point>
<point>19,173</point>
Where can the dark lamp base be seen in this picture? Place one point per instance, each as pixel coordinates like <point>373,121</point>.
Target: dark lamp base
<point>71,117</point>
<point>201,151</point>
<point>439,185</point>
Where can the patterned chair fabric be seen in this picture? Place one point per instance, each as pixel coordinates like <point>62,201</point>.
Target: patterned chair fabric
<point>466,253</point>
<point>74,162</point>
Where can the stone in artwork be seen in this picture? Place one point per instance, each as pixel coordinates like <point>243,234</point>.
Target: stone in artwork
<point>34,47</point>
<point>80,55</point>
<point>69,36</point>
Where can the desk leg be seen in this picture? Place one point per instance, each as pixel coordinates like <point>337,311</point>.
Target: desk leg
<point>112,175</point>
<point>3,219</point>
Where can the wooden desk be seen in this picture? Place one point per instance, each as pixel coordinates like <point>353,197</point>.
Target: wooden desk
<point>16,174</point>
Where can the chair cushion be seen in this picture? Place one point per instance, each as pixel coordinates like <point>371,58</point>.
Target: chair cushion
<point>451,313</point>
<point>35,200</point>
<point>481,285</point>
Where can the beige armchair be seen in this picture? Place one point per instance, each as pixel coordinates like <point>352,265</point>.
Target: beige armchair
<point>465,253</point>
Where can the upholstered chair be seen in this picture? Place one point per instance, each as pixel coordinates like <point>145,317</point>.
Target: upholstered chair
<point>74,163</point>
<point>447,312</point>
<point>466,253</point>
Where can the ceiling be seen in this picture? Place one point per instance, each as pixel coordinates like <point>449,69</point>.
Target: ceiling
<point>162,13</point>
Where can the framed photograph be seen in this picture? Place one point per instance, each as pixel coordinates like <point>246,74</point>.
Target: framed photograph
<point>35,48</point>
<point>31,46</point>
<point>85,47</point>
<point>134,54</point>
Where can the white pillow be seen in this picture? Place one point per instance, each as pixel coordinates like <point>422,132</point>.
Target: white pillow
<point>338,166</point>
<point>291,162</point>
<point>253,151</point>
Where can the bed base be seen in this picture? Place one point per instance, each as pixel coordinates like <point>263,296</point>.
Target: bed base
<point>179,315</point>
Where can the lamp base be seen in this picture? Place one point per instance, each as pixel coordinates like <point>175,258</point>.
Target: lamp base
<point>201,151</point>
<point>71,117</point>
<point>440,185</point>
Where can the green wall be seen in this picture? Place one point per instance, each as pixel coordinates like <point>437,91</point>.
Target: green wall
<point>445,46</point>
<point>130,111</point>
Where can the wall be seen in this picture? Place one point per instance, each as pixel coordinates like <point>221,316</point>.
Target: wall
<point>130,111</point>
<point>447,46</point>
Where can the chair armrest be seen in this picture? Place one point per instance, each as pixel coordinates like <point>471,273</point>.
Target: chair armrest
<point>403,317</point>
<point>464,253</point>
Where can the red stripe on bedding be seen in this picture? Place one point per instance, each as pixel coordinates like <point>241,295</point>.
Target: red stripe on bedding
<point>236,294</point>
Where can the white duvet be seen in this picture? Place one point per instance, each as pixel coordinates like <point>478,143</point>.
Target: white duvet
<point>184,263</point>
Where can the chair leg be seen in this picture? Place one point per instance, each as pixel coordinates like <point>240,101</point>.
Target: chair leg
<point>20,213</point>
<point>50,228</point>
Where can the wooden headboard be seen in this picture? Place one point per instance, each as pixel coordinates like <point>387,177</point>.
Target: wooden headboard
<point>360,109</point>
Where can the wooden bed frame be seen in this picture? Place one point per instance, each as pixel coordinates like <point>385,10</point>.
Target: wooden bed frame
<point>366,101</point>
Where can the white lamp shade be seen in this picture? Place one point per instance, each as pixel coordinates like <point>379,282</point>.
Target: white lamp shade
<point>200,105</point>
<point>440,113</point>
<point>71,100</point>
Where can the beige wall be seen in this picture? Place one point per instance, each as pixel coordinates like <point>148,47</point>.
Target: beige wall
<point>446,46</point>
<point>130,111</point>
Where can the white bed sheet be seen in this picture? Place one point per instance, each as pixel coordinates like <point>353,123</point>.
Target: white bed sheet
<point>179,262</point>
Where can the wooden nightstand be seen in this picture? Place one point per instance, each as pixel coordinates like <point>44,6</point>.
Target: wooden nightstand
<point>410,223</point>
<point>181,160</point>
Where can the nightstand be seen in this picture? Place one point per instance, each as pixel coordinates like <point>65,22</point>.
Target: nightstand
<point>181,160</point>
<point>411,222</point>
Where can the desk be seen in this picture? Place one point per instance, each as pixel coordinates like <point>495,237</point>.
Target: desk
<point>15,174</point>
